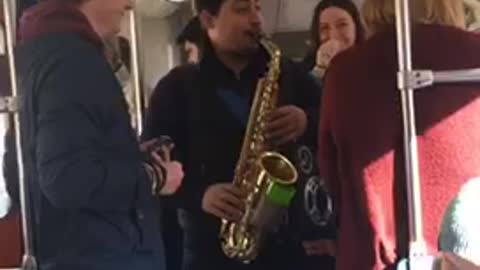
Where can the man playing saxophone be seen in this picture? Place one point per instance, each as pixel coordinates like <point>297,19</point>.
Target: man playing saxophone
<point>205,108</point>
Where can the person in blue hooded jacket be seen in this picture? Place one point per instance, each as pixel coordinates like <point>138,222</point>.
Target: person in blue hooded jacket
<point>93,191</point>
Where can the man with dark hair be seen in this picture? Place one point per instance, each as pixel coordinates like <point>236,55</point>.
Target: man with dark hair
<point>205,107</point>
<point>191,39</point>
<point>94,193</point>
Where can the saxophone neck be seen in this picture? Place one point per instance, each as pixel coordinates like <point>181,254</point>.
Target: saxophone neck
<point>272,49</point>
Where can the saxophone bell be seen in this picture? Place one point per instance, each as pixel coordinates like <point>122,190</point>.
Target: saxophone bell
<point>281,177</point>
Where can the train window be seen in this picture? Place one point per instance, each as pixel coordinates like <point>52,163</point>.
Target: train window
<point>4,199</point>
<point>2,40</point>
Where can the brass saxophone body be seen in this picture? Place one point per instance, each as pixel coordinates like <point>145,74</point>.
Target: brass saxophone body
<point>267,177</point>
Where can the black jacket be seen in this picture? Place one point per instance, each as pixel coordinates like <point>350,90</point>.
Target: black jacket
<point>188,105</point>
<point>91,195</point>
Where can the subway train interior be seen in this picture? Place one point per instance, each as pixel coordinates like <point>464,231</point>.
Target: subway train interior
<point>159,39</point>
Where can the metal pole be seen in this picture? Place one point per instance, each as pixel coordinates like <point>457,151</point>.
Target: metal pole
<point>457,76</point>
<point>193,6</point>
<point>417,246</point>
<point>137,71</point>
<point>29,262</point>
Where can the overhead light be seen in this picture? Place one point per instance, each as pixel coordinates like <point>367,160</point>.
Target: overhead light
<point>177,1</point>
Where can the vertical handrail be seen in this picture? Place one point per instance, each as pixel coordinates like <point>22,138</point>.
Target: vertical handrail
<point>29,262</point>
<point>417,245</point>
<point>137,71</point>
<point>193,6</point>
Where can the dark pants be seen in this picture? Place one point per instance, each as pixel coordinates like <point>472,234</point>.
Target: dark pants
<point>215,260</point>
<point>318,263</point>
<point>276,256</point>
<point>104,260</point>
<point>173,239</point>
<point>202,249</point>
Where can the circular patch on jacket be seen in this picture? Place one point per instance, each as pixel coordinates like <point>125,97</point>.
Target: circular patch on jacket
<point>305,159</point>
<point>317,203</point>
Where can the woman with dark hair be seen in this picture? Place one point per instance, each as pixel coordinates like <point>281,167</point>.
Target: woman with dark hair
<point>336,26</point>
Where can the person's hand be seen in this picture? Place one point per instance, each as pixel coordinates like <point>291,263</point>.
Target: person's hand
<point>451,261</point>
<point>173,173</point>
<point>224,201</point>
<point>148,145</point>
<point>167,175</point>
<point>319,247</point>
<point>286,124</point>
<point>327,51</point>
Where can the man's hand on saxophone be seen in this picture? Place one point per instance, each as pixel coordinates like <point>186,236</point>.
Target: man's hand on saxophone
<point>286,124</point>
<point>224,201</point>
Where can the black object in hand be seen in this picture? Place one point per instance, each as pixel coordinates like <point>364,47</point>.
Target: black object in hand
<point>159,146</point>
<point>162,144</point>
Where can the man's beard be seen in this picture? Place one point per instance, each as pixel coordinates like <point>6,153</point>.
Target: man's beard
<point>247,51</point>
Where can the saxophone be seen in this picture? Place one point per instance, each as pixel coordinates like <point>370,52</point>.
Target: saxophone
<point>266,176</point>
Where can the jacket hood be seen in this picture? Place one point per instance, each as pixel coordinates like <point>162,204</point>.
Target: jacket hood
<point>53,16</point>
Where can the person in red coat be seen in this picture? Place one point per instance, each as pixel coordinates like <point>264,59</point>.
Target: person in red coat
<point>361,139</point>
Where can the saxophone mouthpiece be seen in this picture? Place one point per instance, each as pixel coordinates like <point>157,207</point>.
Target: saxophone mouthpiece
<point>262,36</point>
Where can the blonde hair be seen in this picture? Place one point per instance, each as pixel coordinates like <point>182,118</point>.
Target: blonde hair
<point>379,14</point>
<point>472,14</point>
